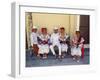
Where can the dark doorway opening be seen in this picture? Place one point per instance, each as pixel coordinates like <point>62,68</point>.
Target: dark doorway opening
<point>84,27</point>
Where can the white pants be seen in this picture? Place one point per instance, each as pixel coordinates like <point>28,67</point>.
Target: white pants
<point>43,49</point>
<point>76,51</point>
<point>64,47</point>
<point>52,48</point>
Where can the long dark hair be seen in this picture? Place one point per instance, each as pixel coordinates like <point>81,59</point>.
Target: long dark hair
<point>79,37</point>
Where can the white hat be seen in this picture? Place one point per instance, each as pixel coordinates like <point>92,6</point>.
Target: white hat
<point>34,27</point>
<point>55,28</point>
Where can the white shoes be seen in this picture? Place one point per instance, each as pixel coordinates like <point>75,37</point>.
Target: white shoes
<point>78,61</point>
<point>73,58</point>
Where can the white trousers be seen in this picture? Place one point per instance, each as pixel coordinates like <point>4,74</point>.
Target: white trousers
<point>52,48</point>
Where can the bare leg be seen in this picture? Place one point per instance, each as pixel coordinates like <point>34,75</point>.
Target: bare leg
<point>74,57</point>
<point>78,58</point>
<point>38,56</point>
<point>45,56</point>
<point>63,54</point>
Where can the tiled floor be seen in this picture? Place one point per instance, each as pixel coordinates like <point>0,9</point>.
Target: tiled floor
<point>33,61</point>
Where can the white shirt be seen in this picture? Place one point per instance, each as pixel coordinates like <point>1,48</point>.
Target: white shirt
<point>34,38</point>
<point>55,39</point>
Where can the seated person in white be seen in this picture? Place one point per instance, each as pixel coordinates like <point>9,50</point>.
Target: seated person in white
<point>77,43</point>
<point>54,39</point>
<point>34,41</point>
<point>63,41</point>
<point>43,43</point>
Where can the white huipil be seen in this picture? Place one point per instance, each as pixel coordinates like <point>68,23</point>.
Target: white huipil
<point>64,46</point>
<point>76,50</point>
<point>33,38</point>
<point>43,47</point>
<point>54,39</point>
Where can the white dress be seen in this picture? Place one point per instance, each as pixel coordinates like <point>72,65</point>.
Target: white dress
<point>44,47</point>
<point>64,46</point>
<point>76,50</point>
